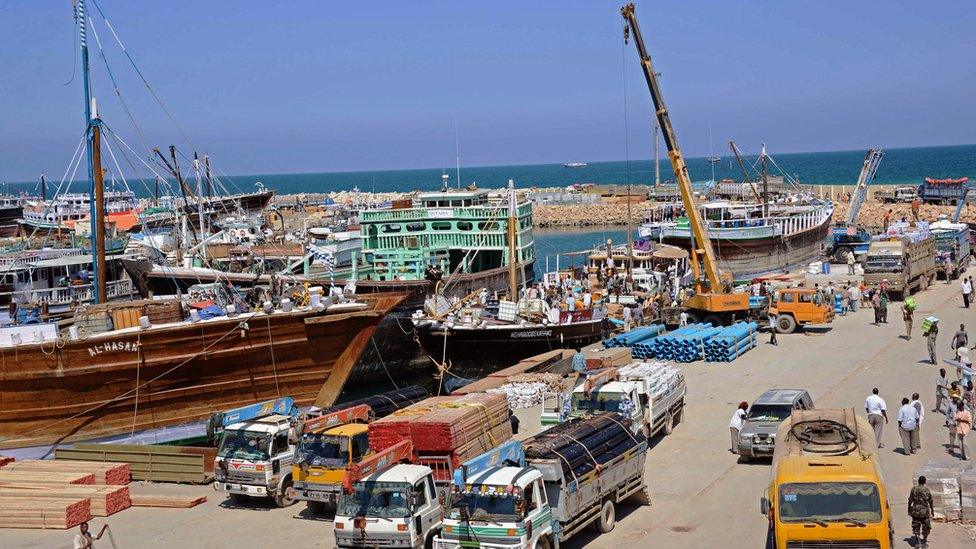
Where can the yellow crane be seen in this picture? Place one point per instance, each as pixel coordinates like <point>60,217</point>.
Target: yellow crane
<point>713,301</point>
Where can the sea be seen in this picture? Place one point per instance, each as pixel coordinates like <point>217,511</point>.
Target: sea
<point>899,166</point>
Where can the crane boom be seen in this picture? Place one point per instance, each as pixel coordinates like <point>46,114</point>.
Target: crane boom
<point>966,189</point>
<point>868,170</point>
<point>702,245</point>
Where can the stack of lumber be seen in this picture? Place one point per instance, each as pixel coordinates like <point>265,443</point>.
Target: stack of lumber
<point>581,445</point>
<point>167,500</point>
<point>104,472</point>
<point>55,513</point>
<point>539,363</point>
<point>46,477</point>
<point>148,461</point>
<point>104,500</point>
<point>459,426</point>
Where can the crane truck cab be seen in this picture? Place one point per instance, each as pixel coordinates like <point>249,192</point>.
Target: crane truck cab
<point>328,446</point>
<point>844,241</point>
<point>387,502</point>
<point>826,487</point>
<point>254,459</point>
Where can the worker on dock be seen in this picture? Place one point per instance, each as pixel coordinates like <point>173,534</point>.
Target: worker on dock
<point>921,509</point>
<point>930,337</point>
<point>908,315</point>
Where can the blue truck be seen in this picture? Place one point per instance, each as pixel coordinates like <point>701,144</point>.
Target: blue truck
<point>953,251</point>
<point>943,191</point>
<point>844,241</point>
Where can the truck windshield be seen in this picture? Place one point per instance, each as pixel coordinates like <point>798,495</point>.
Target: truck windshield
<point>244,445</point>
<point>484,506</point>
<point>830,502</point>
<point>768,412</point>
<point>376,499</point>
<point>882,264</point>
<point>325,450</point>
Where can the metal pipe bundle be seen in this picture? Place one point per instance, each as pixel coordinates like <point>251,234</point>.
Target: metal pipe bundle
<point>581,444</point>
<point>731,342</point>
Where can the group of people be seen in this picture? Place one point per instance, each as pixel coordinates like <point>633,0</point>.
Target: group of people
<point>953,399</point>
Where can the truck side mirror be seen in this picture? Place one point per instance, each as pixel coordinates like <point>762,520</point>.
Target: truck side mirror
<point>764,505</point>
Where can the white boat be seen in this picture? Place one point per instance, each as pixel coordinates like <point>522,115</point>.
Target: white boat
<point>575,164</point>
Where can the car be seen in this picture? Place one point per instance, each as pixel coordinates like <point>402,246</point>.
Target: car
<point>758,434</point>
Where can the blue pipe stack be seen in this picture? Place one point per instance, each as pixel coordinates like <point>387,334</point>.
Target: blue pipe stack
<point>731,342</point>
<point>684,344</point>
<point>640,340</point>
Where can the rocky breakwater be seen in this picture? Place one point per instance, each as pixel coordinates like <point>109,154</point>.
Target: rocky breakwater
<point>871,214</point>
<point>588,215</point>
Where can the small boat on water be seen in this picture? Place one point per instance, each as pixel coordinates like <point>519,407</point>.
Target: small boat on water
<point>575,164</point>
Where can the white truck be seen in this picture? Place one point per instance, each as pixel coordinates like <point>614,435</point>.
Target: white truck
<point>386,503</point>
<point>651,394</point>
<point>508,502</point>
<point>254,459</point>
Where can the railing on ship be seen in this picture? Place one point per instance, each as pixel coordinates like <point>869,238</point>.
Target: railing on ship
<point>785,225</point>
<point>62,296</point>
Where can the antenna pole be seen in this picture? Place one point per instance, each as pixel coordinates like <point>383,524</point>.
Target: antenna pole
<point>457,153</point>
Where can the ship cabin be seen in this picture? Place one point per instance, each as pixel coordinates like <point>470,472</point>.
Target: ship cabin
<point>458,230</point>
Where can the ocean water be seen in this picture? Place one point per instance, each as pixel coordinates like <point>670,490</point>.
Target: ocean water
<point>901,166</point>
<point>552,242</point>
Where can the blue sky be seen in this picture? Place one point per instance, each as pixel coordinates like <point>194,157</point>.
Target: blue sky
<point>301,86</point>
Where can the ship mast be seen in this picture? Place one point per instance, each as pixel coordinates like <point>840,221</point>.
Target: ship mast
<point>512,244</point>
<point>96,189</point>
<point>765,181</point>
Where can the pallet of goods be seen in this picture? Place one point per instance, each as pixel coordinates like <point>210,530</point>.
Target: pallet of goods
<point>55,513</point>
<point>104,500</point>
<point>105,472</point>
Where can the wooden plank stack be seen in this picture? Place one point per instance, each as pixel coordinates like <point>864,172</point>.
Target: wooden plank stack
<point>461,427</point>
<point>47,477</point>
<point>167,500</point>
<point>56,513</point>
<point>105,500</point>
<point>105,472</point>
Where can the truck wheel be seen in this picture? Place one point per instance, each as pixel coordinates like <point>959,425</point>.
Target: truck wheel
<point>694,317</point>
<point>669,424</point>
<point>715,320</point>
<point>679,416</point>
<point>283,499</point>
<point>543,543</point>
<point>785,324</point>
<point>607,518</point>
<point>840,254</point>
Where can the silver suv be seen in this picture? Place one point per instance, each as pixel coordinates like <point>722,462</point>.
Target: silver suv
<point>758,434</point>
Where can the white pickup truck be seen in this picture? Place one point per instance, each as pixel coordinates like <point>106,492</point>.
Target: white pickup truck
<point>652,394</point>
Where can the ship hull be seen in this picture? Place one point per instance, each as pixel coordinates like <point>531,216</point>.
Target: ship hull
<point>134,379</point>
<point>472,353</point>
<point>392,351</point>
<point>9,217</point>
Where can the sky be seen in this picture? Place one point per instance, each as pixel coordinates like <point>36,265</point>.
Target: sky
<point>311,86</point>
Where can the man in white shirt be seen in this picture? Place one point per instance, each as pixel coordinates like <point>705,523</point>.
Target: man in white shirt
<point>855,298</point>
<point>907,423</point>
<point>967,290</point>
<point>587,300</point>
<point>628,318</point>
<point>570,302</point>
<point>916,434</point>
<point>736,424</point>
<point>877,414</point>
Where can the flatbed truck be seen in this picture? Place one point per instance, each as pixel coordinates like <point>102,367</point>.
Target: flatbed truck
<point>908,265</point>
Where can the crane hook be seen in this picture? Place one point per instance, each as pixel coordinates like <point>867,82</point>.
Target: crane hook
<point>626,35</point>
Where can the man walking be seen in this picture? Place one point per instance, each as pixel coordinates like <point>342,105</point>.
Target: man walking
<point>930,338</point>
<point>772,312</point>
<point>876,303</point>
<point>967,290</point>
<point>942,393</point>
<point>960,339</point>
<point>850,263</point>
<point>908,315</point>
<point>855,297</point>
<point>907,422</point>
<point>921,509</point>
<point>920,409</point>
<point>964,423</point>
<point>877,414</point>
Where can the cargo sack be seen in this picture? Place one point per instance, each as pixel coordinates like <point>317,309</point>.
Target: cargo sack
<point>910,303</point>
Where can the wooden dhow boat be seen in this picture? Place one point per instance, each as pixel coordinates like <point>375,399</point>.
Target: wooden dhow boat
<point>58,387</point>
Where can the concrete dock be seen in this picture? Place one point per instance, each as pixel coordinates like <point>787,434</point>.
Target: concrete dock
<point>701,495</point>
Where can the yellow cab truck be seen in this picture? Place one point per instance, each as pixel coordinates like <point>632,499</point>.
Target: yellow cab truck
<point>794,308</point>
<point>328,446</point>
<point>826,488</point>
